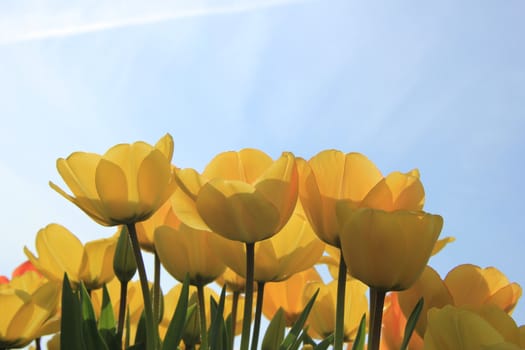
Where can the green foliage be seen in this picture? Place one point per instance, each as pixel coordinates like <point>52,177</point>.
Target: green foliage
<point>179,319</point>
<point>411,323</point>
<point>294,335</point>
<point>71,335</point>
<point>218,335</point>
<point>359,341</point>
<point>275,332</point>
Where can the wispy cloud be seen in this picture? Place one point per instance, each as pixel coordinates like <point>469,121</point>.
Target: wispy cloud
<point>46,23</point>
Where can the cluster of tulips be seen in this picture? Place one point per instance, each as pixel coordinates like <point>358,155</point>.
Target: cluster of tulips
<point>255,226</point>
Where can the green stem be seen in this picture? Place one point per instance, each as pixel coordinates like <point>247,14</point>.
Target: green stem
<point>151,329</point>
<point>202,316</point>
<point>258,312</point>
<point>248,300</point>
<point>235,302</point>
<point>122,310</point>
<point>377,301</point>
<point>340,304</point>
<point>156,290</point>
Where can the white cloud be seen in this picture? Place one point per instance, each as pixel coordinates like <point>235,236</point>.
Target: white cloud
<point>24,24</point>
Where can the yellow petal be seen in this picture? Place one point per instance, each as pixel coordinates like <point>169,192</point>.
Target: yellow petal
<point>184,198</point>
<point>279,185</point>
<point>397,191</point>
<point>237,211</point>
<point>246,165</point>
<point>112,187</point>
<point>344,176</point>
<point>434,292</point>
<point>441,243</point>
<point>452,328</point>
<point>165,145</point>
<point>155,183</point>
<point>332,176</point>
<point>389,250</point>
<point>97,263</point>
<point>185,250</point>
<point>59,251</point>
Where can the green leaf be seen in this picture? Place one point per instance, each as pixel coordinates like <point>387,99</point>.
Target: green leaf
<point>411,323</point>
<point>229,330</point>
<point>300,339</point>
<point>216,334</point>
<point>140,335</point>
<point>71,323</point>
<point>275,332</point>
<point>92,337</point>
<point>107,316</point>
<point>359,341</point>
<point>178,321</point>
<point>106,322</point>
<point>328,341</point>
<point>294,332</point>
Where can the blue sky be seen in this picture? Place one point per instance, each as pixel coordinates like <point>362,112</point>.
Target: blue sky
<point>437,86</point>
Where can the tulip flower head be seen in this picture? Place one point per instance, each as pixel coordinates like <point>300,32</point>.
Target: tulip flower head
<point>455,328</point>
<point>125,185</point>
<point>389,250</point>
<point>243,196</point>
<point>60,251</point>
<point>27,313</point>
<point>331,176</point>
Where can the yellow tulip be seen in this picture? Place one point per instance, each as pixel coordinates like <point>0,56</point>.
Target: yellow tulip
<point>183,250</point>
<point>322,316</point>
<point>243,196</point>
<point>288,295</point>
<point>331,176</point>
<point>485,286</point>
<point>295,248</point>
<point>465,285</point>
<point>332,259</point>
<point>465,328</point>
<point>125,185</point>
<point>389,250</point>
<point>27,314</point>
<point>60,251</point>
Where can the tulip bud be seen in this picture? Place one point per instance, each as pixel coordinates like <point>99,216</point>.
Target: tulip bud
<point>124,263</point>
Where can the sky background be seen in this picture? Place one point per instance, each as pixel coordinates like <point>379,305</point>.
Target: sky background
<point>438,86</point>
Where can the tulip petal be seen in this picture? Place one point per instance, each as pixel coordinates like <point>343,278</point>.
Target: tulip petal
<point>184,198</point>
<point>165,145</point>
<point>112,188</point>
<point>452,328</point>
<point>397,191</point>
<point>153,177</point>
<point>237,211</point>
<point>246,165</point>
<point>97,262</point>
<point>59,251</point>
<point>339,175</point>
<point>432,289</point>
<point>194,254</point>
<point>279,185</point>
